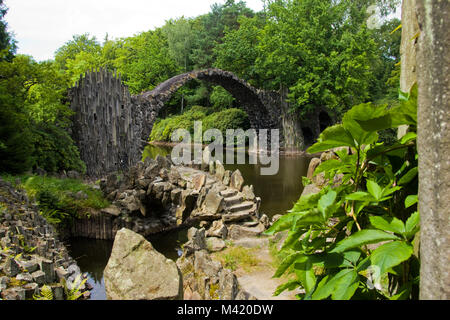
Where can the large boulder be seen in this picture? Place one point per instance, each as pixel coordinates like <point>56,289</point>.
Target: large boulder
<point>136,271</point>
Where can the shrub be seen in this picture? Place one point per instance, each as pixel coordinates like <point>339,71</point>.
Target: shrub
<point>329,233</point>
<point>223,120</point>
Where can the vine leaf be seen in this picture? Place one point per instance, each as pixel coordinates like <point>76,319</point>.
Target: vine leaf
<point>390,255</point>
<point>388,224</point>
<point>363,237</point>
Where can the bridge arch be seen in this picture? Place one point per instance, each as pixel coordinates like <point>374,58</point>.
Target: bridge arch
<point>258,104</point>
<point>111,127</point>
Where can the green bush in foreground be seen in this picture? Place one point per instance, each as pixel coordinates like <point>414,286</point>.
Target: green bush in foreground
<point>358,239</point>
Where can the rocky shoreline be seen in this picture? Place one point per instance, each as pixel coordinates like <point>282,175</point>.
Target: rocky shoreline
<point>31,255</point>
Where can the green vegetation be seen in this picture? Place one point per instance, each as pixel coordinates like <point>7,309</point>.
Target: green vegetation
<point>223,120</point>
<point>351,238</point>
<point>60,200</point>
<point>238,257</point>
<point>320,51</point>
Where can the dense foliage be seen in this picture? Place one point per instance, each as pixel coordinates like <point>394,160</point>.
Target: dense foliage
<point>222,120</point>
<point>321,52</point>
<point>358,237</point>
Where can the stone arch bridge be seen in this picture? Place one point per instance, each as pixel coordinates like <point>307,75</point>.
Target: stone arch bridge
<point>111,127</point>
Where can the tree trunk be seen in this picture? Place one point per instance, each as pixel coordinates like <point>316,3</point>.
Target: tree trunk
<point>434,144</point>
<point>410,28</point>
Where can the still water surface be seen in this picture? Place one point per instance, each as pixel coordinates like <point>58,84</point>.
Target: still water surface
<point>278,194</point>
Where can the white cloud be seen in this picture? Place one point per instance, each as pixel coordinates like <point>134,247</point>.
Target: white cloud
<point>41,27</point>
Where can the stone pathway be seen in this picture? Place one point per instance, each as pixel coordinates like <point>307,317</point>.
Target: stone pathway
<point>260,282</point>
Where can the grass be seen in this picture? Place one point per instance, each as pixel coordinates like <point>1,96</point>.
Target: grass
<point>58,196</point>
<point>238,257</point>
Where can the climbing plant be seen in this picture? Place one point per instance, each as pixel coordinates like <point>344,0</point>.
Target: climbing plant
<point>357,238</point>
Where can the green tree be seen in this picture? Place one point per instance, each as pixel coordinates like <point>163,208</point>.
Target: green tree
<point>239,50</point>
<point>179,38</point>
<point>321,50</point>
<point>145,61</point>
<point>7,43</point>
<point>208,30</point>
<point>84,44</point>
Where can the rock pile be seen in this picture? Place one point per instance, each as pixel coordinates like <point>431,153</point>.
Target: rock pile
<point>156,196</point>
<point>204,278</point>
<point>30,253</point>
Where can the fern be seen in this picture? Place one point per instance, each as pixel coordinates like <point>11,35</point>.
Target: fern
<point>75,293</point>
<point>46,294</point>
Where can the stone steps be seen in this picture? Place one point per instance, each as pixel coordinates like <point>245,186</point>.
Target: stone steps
<point>234,200</point>
<point>228,193</point>
<point>241,207</point>
<point>237,216</point>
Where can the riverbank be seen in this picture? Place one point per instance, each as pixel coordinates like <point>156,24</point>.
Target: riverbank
<point>34,263</point>
<point>282,151</point>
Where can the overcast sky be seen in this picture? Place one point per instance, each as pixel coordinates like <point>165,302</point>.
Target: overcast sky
<point>42,26</point>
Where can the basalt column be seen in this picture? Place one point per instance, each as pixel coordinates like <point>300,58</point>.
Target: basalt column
<point>107,124</point>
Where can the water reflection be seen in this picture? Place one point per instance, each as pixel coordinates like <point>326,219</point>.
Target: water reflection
<point>92,257</point>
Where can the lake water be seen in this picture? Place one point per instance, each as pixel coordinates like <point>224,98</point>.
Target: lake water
<point>278,194</point>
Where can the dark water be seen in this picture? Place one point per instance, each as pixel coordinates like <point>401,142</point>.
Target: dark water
<point>278,194</point>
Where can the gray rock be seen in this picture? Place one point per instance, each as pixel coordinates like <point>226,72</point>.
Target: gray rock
<point>24,277</point>
<point>214,244</point>
<point>220,170</point>
<point>228,285</point>
<point>248,193</point>
<point>237,181</point>
<point>203,264</point>
<point>314,163</point>
<point>199,181</point>
<point>111,210</point>
<point>265,221</point>
<point>136,271</point>
<point>227,178</point>
<point>30,290</point>
<point>11,267</point>
<point>47,267</point>
<point>213,203</point>
<point>238,232</point>
<point>218,230</point>
<point>39,277</point>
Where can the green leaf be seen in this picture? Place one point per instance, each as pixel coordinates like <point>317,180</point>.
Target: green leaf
<point>290,285</point>
<point>329,165</point>
<point>390,255</point>
<point>306,181</point>
<point>409,176</point>
<point>360,196</point>
<point>374,189</point>
<point>412,225</point>
<point>325,202</point>
<point>337,260</point>
<point>346,286</point>
<point>305,273</point>
<point>408,137</point>
<point>333,137</point>
<point>284,223</point>
<point>327,286</point>
<point>388,224</point>
<point>287,262</point>
<point>363,237</point>
<point>411,200</point>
